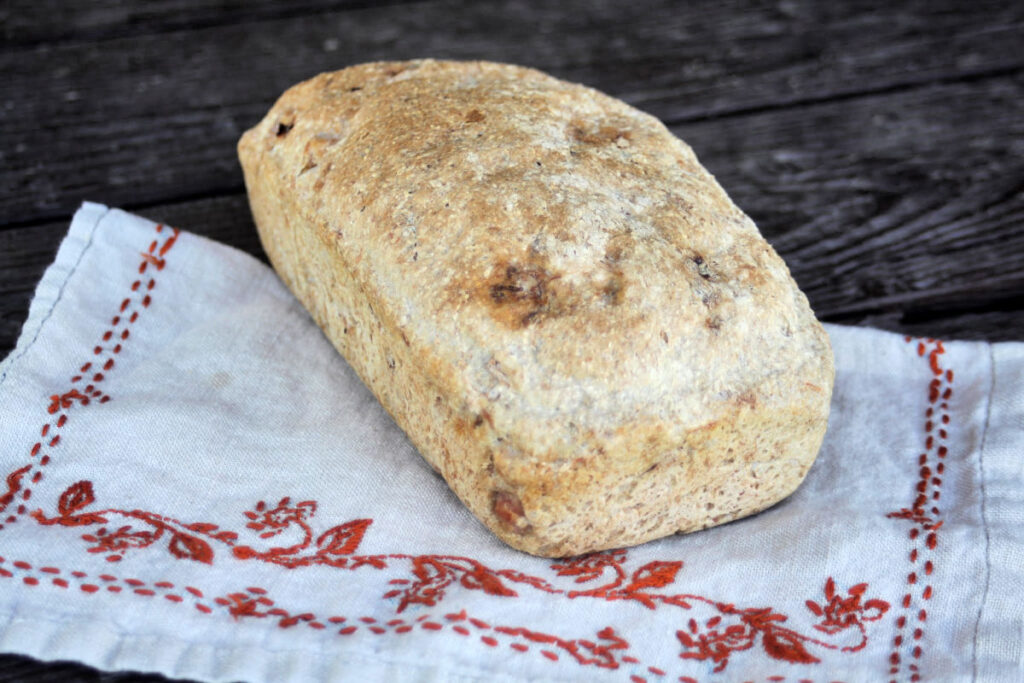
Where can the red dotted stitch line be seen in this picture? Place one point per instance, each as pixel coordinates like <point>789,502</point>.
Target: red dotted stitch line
<point>92,373</point>
<point>249,603</point>
<point>93,584</point>
<point>252,599</point>
<point>238,604</point>
<point>924,513</point>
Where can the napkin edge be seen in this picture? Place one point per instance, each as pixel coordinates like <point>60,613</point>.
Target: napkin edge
<point>998,652</point>
<point>50,288</point>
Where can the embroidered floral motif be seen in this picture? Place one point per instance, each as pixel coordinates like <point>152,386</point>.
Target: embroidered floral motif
<point>283,534</point>
<point>729,630</point>
<point>184,540</point>
<point>733,630</point>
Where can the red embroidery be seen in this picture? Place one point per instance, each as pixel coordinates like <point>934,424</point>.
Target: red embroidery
<point>733,630</point>
<point>729,630</point>
<point>608,651</point>
<point>924,513</point>
<point>284,536</point>
<point>75,397</point>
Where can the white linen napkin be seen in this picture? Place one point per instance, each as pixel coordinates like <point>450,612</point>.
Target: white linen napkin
<point>192,481</point>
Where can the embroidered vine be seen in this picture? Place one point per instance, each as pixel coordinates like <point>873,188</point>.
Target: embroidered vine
<point>283,534</point>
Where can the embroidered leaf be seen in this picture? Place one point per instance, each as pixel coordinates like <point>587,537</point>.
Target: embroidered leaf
<point>858,589</point>
<point>877,609</point>
<point>654,575</point>
<point>76,497</point>
<point>191,548</point>
<point>203,527</point>
<point>786,646</point>
<point>814,607</point>
<point>343,539</point>
<point>481,578</point>
<point>830,588</point>
<point>880,605</point>
<point>80,520</point>
<point>243,552</point>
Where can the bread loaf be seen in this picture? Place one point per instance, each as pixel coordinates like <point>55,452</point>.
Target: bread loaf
<point>558,304</point>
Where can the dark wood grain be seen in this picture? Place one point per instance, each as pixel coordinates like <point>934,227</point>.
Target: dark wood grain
<point>883,204</point>
<point>898,201</point>
<point>142,120</point>
<point>30,22</point>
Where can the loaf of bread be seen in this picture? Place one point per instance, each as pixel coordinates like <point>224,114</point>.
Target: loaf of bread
<point>559,305</point>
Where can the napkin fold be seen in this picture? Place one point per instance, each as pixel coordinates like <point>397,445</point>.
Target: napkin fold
<point>193,482</point>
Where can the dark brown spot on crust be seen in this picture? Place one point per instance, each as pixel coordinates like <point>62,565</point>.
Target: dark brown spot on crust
<point>520,295</point>
<point>702,268</point>
<point>283,128</point>
<point>612,291</point>
<point>475,116</point>
<point>509,509</point>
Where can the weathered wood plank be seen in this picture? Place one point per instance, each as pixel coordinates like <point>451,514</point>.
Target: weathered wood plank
<point>20,669</point>
<point>155,118</point>
<point>28,22</point>
<point>897,209</point>
<point>890,202</point>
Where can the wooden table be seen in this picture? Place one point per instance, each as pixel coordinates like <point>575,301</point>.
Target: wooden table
<point>879,146</point>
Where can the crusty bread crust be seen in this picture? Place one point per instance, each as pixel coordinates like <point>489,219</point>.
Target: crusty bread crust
<point>558,304</point>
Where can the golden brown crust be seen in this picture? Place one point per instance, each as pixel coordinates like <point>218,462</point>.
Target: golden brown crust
<point>562,309</point>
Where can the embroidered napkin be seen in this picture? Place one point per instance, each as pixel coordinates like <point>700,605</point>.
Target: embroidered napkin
<point>193,482</point>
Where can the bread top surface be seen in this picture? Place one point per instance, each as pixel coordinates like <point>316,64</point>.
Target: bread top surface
<point>561,263</point>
